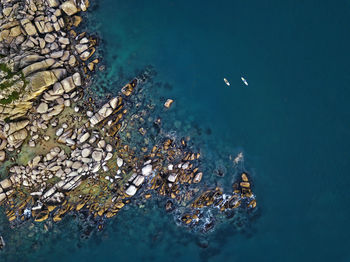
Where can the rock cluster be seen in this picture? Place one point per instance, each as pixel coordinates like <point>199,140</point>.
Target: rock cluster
<point>37,51</point>
<point>61,154</point>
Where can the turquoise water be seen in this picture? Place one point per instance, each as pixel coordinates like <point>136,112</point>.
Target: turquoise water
<point>292,123</point>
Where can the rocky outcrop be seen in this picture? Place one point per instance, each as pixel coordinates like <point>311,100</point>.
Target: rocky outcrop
<point>62,152</point>
<point>37,51</point>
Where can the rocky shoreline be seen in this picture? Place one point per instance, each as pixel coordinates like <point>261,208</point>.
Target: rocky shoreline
<point>59,154</point>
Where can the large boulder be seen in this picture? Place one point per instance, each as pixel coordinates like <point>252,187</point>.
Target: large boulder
<point>69,8</point>
<point>38,66</point>
<point>40,81</point>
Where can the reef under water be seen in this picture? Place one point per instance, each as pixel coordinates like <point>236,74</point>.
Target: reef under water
<point>72,158</point>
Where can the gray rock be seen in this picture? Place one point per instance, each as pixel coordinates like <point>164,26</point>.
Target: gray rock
<point>86,152</point>
<point>84,137</point>
<point>97,156</point>
<point>76,165</point>
<point>68,84</point>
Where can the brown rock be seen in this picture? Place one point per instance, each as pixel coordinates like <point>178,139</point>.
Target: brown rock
<point>168,103</point>
<point>15,31</point>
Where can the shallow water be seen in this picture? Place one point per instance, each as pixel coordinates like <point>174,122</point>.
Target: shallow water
<point>292,122</point>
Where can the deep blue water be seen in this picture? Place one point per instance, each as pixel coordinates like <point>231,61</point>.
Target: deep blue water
<point>292,121</point>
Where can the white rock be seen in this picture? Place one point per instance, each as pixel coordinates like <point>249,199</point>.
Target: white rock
<point>119,162</point>
<point>172,178</point>
<point>113,103</point>
<point>59,132</point>
<point>147,170</point>
<point>170,167</point>
<point>96,168</point>
<point>185,166</point>
<point>109,148</point>
<point>101,144</point>
<point>131,190</point>
<point>95,119</point>
<point>108,156</point>
<point>70,141</point>
<point>198,177</point>
<point>105,111</point>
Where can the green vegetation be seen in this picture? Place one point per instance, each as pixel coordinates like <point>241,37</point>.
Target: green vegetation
<point>14,96</point>
<point>7,84</point>
<point>6,69</point>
